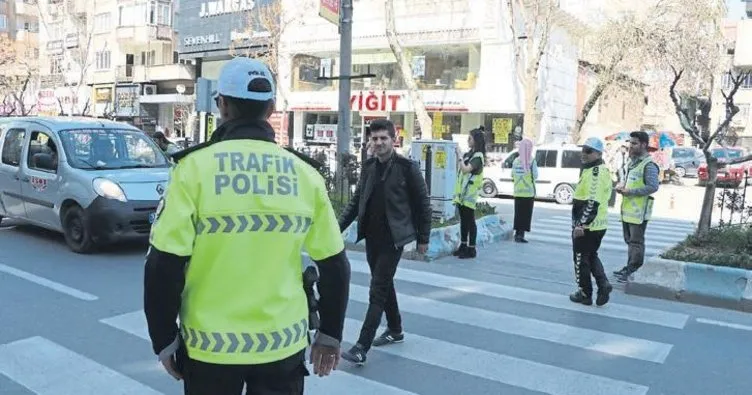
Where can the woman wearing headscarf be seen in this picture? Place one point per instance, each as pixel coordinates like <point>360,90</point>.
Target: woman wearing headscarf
<point>467,190</point>
<point>524,175</point>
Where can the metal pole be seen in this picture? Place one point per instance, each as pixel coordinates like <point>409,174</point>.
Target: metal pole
<point>345,71</point>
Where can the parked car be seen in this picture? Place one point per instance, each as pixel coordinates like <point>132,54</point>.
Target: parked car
<point>95,181</point>
<point>732,175</point>
<point>558,173</point>
<point>687,160</point>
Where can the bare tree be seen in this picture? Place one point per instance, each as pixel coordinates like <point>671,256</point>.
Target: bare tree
<point>265,29</point>
<point>425,122</point>
<point>692,49</point>
<point>618,54</point>
<point>535,19</point>
<point>17,77</point>
<point>73,14</point>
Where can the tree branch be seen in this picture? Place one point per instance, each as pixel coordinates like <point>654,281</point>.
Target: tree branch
<point>684,118</point>
<point>731,108</point>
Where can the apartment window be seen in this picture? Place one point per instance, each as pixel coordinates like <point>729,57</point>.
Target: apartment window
<point>3,22</point>
<point>56,65</point>
<point>132,15</point>
<point>160,14</point>
<point>102,23</point>
<point>55,31</point>
<point>148,58</point>
<point>102,59</point>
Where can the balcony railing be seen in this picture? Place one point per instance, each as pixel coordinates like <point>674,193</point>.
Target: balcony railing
<point>144,33</point>
<point>154,73</point>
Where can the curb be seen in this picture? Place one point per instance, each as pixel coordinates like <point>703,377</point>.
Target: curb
<point>443,241</point>
<point>697,283</point>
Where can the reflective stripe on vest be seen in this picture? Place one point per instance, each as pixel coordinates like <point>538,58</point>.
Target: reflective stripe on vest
<point>524,185</point>
<point>243,342</point>
<point>637,209</point>
<point>467,187</point>
<point>589,188</point>
<point>279,223</point>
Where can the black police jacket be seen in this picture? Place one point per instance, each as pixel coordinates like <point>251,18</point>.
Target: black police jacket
<point>408,207</point>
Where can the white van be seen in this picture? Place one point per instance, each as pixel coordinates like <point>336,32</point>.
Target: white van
<point>558,173</point>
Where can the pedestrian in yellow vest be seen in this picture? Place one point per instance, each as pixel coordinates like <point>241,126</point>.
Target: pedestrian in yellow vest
<point>467,190</point>
<point>524,175</point>
<point>641,182</point>
<point>225,255</point>
<point>589,224</point>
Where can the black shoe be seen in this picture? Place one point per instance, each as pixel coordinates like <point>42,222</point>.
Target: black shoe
<point>621,271</point>
<point>468,253</point>
<point>603,294</point>
<point>460,250</point>
<point>388,337</point>
<point>520,238</point>
<point>580,297</point>
<point>356,355</point>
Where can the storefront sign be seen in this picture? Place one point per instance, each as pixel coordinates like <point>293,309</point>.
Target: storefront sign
<point>209,25</point>
<point>329,10</point>
<point>384,101</point>
<point>321,133</point>
<point>221,7</point>
<point>127,103</point>
<point>102,95</point>
<point>374,101</point>
<point>190,41</point>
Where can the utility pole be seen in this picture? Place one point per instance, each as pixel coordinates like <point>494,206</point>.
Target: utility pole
<point>345,74</point>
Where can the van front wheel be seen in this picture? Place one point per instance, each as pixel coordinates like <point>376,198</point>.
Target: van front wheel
<point>76,231</point>
<point>564,194</point>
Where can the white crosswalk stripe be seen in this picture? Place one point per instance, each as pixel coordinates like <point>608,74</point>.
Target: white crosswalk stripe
<point>37,363</point>
<point>659,236</point>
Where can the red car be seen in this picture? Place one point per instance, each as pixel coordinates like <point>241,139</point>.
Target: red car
<point>733,174</point>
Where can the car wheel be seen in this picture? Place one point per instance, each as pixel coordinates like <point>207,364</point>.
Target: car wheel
<point>564,194</point>
<point>488,190</point>
<point>76,231</point>
<point>681,172</point>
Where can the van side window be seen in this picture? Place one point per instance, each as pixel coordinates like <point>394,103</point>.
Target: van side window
<point>41,143</point>
<point>571,159</point>
<point>546,158</point>
<point>12,147</point>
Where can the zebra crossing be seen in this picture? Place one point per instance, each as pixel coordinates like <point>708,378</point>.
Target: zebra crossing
<point>660,235</point>
<point>433,306</point>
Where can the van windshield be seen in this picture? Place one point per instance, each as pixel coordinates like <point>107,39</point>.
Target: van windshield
<point>101,149</point>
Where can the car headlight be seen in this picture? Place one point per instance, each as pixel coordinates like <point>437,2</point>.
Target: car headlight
<point>108,189</point>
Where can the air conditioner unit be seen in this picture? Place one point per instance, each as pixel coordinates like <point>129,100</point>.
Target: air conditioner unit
<point>149,89</point>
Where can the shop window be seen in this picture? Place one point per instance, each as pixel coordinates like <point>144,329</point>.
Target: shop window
<point>452,125</point>
<point>502,143</point>
<point>306,70</point>
<point>546,158</point>
<point>384,68</point>
<point>446,67</point>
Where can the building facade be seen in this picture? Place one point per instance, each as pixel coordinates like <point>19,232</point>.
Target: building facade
<point>211,32</point>
<point>115,59</point>
<point>461,58</point>
<point>19,23</point>
<point>739,36</point>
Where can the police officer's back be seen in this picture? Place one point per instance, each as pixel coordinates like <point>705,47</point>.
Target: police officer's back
<point>226,255</point>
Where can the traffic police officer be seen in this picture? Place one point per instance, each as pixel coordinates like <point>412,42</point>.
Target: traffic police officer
<point>225,255</point>
<point>589,224</point>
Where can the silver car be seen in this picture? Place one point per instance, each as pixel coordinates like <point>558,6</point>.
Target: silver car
<point>96,181</point>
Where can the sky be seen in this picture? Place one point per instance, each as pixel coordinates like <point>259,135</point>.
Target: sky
<point>736,9</point>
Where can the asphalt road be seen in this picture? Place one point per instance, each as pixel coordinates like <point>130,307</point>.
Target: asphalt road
<point>500,324</point>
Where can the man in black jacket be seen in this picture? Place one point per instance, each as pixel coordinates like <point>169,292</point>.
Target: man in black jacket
<point>393,209</point>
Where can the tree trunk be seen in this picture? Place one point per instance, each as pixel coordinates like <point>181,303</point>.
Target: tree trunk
<point>706,213</point>
<point>589,104</point>
<point>531,124</point>
<point>407,74</point>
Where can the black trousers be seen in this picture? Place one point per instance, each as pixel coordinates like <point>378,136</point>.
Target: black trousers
<point>468,227</point>
<point>383,259</point>
<point>587,262</point>
<point>634,236</point>
<point>523,213</point>
<point>283,377</point>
